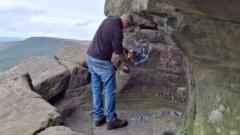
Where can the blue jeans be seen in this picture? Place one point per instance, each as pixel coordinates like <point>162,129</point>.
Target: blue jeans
<point>102,77</point>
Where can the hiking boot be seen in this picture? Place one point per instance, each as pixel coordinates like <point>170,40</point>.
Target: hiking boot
<point>117,123</point>
<point>99,123</point>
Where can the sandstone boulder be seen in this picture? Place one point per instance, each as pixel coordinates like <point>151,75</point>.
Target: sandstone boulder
<point>78,92</point>
<point>73,58</point>
<point>212,49</point>
<point>76,54</point>
<point>23,112</point>
<point>227,10</point>
<point>49,78</point>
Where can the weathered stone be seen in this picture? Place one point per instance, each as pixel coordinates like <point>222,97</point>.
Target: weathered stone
<point>76,54</point>
<point>23,112</point>
<point>73,58</point>
<point>116,8</point>
<point>210,42</point>
<point>144,21</point>
<point>79,75</point>
<point>72,99</point>
<point>207,33</point>
<point>153,36</point>
<point>160,76</point>
<point>58,130</point>
<point>215,89</point>
<point>48,77</point>
<point>227,10</point>
<point>212,45</point>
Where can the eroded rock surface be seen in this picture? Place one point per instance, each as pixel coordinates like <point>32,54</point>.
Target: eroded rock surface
<point>159,126</point>
<point>49,78</point>
<point>73,58</point>
<point>25,90</point>
<point>76,53</point>
<point>58,130</point>
<point>78,91</point>
<point>161,77</point>
<point>23,112</point>
<point>207,34</point>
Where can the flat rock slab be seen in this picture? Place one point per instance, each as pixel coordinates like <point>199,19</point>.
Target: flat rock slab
<point>58,130</point>
<point>49,78</point>
<point>81,121</point>
<point>23,112</point>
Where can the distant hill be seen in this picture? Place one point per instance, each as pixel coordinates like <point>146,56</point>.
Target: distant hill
<point>12,52</point>
<point>10,39</point>
<point>43,41</point>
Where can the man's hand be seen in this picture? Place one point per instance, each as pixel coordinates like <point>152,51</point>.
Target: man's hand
<point>126,69</point>
<point>123,60</point>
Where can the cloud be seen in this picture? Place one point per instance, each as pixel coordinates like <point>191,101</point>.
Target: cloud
<point>12,18</point>
<point>68,19</point>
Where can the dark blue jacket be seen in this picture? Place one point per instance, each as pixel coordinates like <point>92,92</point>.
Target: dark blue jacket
<point>108,39</point>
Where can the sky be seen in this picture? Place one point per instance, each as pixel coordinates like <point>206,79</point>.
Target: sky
<point>74,19</point>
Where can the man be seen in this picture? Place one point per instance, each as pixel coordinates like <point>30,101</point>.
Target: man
<point>107,40</point>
